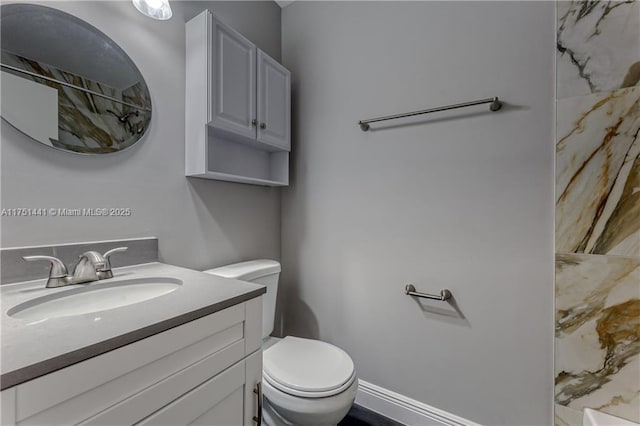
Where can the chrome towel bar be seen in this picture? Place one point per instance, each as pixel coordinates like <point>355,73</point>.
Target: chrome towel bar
<point>496,104</point>
<point>411,291</point>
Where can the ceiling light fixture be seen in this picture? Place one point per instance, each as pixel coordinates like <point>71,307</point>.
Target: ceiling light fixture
<point>156,9</point>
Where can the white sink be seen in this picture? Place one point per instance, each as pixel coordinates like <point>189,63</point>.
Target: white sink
<point>94,298</point>
<point>597,418</point>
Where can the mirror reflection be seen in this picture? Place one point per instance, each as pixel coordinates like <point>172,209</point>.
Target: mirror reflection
<point>67,85</point>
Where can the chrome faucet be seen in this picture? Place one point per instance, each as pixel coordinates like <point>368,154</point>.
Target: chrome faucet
<point>87,268</point>
<point>92,266</point>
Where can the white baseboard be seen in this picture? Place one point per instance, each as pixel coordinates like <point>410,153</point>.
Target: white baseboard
<point>403,409</point>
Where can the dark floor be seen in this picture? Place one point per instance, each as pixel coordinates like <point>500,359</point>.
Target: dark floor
<point>359,416</point>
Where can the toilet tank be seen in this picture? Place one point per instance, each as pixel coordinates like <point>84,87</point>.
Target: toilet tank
<point>262,271</point>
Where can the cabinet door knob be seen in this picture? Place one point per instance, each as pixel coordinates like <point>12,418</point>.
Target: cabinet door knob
<point>263,125</point>
<point>254,122</point>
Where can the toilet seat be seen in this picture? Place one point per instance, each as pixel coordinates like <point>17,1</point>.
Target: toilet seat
<point>308,394</point>
<point>307,368</point>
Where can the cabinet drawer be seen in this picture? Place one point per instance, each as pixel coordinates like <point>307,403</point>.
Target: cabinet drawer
<point>79,392</point>
<point>218,401</point>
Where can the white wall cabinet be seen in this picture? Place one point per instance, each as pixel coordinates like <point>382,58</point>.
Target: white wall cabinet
<point>273,103</point>
<point>238,107</point>
<point>203,373</point>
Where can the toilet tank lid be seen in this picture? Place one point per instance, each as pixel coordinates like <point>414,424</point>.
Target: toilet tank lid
<point>247,271</point>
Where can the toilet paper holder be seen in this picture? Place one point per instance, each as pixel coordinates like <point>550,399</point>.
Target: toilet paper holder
<point>410,290</point>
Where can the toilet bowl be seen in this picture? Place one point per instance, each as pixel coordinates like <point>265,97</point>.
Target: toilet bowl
<point>304,381</point>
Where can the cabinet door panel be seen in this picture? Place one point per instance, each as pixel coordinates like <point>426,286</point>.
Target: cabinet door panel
<point>253,373</point>
<point>225,413</point>
<point>219,398</point>
<point>274,102</point>
<point>233,95</point>
<point>147,402</point>
<point>8,407</point>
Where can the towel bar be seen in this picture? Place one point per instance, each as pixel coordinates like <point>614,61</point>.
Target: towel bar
<point>496,104</point>
<point>411,291</point>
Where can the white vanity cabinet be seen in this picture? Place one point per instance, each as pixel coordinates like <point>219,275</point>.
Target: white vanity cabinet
<point>238,107</point>
<point>203,372</point>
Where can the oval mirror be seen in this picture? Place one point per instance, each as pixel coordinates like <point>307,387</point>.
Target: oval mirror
<point>67,85</point>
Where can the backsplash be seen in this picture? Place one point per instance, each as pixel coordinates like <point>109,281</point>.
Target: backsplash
<point>15,269</point>
<point>597,356</point>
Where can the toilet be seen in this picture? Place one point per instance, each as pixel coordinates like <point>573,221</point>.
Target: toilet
<point>304,381</point>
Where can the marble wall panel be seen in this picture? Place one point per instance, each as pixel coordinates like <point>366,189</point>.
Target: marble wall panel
<point>598,334</point>
<point>598,173</point>
<point>565,416</point>
<point>597,46</point>
<point>597,209</point>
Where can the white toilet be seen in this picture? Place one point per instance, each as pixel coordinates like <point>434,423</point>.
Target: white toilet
<point>305,382</point>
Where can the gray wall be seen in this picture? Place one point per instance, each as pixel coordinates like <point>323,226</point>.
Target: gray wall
<point>460,200</point>
<point>199,223</point>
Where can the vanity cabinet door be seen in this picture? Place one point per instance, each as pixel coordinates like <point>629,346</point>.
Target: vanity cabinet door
<point>217,402</point>
<point>274,103</point>
<point>8,407</point>
<point>233,90</point>
<point>252,389</point>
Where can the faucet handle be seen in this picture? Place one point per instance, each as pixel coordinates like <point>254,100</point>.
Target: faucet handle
<point>105,272</point>
<point>108,254</point>
<point>58,273</point>
<point>58,268</point>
